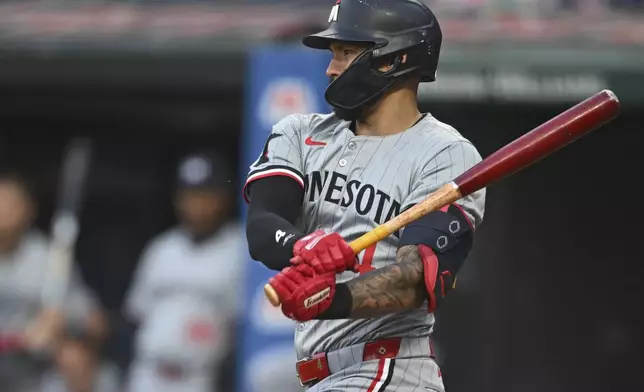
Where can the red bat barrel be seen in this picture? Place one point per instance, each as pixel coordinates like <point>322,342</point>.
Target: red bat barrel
<point>542,141</point>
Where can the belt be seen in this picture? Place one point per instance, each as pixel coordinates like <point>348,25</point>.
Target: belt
<point>170,371</point>
<point>10,343</point>
<point>315,369</point>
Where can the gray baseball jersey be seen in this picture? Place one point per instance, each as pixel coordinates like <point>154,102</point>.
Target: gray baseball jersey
<point>354,183</point>
<point>23,273</point>
<point>184,296</point>
<point>22,276</point>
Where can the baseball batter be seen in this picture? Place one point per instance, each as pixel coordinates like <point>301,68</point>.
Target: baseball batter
<point>322,180</point>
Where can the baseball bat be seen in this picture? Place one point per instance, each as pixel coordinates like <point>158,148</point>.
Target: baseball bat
<point>65,226</point>
<point>533,146</point>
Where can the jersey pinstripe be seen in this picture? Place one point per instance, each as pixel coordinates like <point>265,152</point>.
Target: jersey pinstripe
<point>354,183</point>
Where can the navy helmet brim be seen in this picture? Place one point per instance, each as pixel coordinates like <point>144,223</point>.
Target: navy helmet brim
<point>323,39</point>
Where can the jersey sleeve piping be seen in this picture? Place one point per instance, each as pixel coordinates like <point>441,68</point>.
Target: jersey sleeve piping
<point>270,171</point>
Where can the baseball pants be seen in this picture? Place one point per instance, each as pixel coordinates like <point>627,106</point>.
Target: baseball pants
<point>413,369</point>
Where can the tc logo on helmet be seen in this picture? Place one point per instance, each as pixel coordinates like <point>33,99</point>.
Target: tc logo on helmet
<point>334,12</point>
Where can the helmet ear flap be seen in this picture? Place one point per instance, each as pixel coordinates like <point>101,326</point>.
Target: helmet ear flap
<point>365,80</point>
<point>390,63</point>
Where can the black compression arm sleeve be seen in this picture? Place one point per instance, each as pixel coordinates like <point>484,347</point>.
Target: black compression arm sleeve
<point>275,204</point>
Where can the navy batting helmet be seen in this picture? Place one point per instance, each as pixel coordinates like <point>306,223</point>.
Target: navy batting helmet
<point>391,28</point>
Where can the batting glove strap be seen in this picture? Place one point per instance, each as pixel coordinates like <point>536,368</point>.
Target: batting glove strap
<point>341,304</point>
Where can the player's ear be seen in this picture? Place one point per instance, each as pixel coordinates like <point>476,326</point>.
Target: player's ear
<point>389,62</point>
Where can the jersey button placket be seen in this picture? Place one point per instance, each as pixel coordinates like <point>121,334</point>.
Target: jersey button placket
<point>348,153</point>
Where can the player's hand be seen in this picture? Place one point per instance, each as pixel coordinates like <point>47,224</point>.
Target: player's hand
<point>325,253</point>
<point>304,294</point>
<point>43,334</point>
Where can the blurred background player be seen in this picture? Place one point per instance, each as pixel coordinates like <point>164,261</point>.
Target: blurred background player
<point>184,289</point>
<point>63,344</point>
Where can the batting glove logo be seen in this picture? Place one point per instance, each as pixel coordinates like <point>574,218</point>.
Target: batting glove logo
<point>317,298</point>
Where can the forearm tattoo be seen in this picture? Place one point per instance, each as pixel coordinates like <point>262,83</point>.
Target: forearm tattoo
<point>390,289</point>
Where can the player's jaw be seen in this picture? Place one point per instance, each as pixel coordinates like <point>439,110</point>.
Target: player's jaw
<point>201,212</point>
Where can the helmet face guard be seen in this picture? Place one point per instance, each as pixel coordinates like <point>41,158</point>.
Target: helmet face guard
<point>391,29</point>
<point>361,85</point>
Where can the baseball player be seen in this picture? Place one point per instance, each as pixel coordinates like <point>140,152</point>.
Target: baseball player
<point>34,339</point>
<point>182,294</point>
<point>322,180</point>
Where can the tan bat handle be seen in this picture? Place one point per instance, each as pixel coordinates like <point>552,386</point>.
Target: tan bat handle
<point>445,195</point>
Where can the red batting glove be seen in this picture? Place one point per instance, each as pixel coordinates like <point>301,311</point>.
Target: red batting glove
<point>304,295</point>
<point>325,252</point>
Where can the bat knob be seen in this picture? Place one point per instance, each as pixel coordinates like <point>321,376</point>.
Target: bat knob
<point>271,295</point>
